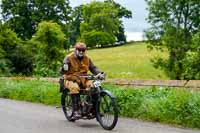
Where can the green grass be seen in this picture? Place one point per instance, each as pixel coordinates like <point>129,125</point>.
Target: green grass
<point>177,106</point>
<point>160,104</point>
<point>131,61</point>
<point>32,91</point>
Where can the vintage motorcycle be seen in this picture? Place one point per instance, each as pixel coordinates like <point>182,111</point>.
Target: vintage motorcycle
<point>97,103</point>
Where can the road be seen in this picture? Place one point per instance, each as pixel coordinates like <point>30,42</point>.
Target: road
<point>25,117</point>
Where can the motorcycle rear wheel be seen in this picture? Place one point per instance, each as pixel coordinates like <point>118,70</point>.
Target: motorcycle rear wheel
<point>66,102</point>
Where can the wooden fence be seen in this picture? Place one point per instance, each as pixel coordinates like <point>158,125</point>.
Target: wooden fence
<point>126,82</point>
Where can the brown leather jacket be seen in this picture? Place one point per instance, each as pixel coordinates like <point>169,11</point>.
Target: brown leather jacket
<point>78,67</point>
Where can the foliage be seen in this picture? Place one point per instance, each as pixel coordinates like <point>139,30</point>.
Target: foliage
<point>98,38</point>
<point>32,91</point>
<point>192,60</point>
<point>167,105</point>
<point>173,23</point>
<point>77,15</point>
<point>22,60</point>
<point>5,65</point>
<point>161,104</point>
<point>50,41</point>
<point>99,17</point>
<point>9,39</point>
<point>122,13</point>
<point>23,16</point>
<point>14,58</point>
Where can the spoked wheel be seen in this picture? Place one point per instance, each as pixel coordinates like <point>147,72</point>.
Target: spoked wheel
<point>66,103</point>
<point>107,111</point>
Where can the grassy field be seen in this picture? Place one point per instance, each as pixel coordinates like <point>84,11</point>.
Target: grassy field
<point>131,61</point>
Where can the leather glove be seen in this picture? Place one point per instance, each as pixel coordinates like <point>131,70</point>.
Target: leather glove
<point>102,75</point>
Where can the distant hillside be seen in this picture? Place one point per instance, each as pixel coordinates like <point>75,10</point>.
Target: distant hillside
<point>130,61</point>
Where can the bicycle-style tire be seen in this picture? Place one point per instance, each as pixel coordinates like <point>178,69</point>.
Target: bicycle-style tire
<point>107,111</point>
<point>66,103</point>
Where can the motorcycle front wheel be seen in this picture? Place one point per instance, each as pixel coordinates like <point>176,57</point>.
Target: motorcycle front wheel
<point>107,111</point>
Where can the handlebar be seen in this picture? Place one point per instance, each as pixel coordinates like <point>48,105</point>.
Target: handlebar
<point>99,76</point>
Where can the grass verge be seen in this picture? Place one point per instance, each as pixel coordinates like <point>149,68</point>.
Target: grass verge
<point>32,91</point>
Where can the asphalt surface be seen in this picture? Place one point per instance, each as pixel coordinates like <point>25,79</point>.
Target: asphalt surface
<point>25,117</point>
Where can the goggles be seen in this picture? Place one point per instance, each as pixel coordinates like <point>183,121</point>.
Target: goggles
<point>81,49</point>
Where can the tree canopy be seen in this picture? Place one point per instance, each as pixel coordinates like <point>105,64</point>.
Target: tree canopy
<point>122,13</point>
<point>13,56</point>
<point>173,23</point>
<point>23,16</point>
<point>105,17</point>
<point>50,41</point>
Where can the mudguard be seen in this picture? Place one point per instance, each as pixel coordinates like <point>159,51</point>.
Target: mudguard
<point>107,92</point>
<point>61,82</point>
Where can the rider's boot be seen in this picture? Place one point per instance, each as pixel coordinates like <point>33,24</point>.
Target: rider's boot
<point>76,106</point>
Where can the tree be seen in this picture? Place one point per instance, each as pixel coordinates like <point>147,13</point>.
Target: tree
<point>173,23</point>
<point>99,18</point>
<point>98,38</point>
<point>50,41</point>
<point>14,58</point>
<point>192,60</point>
<point>74,27</point>
<point>78,18</point>
<point>23,16</point>
<point>5,64</point>
<point>122,13</point>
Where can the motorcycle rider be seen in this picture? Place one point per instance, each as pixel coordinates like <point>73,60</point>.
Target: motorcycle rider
<point>75,65</point>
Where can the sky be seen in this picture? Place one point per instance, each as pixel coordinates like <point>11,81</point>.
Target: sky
<point>135,26</point>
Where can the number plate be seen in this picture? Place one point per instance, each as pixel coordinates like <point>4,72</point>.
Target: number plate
<point>97,84</point>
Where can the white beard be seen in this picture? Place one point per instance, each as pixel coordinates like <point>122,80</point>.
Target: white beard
<point>79,55</point>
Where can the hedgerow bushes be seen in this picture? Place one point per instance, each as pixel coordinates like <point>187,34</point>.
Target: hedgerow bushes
<point>167,105</point>
<point>160,104</point>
